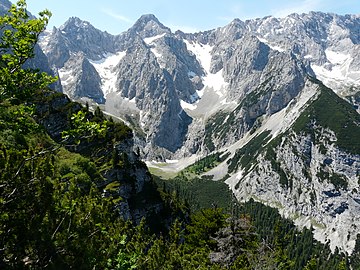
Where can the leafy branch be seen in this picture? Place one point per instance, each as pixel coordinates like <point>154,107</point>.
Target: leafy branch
<point>83,128</point>
<point>19,36</point>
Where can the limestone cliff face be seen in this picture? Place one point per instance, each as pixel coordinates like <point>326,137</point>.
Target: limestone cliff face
<point>310,172</point>
<point>174,86</point>
<point>251,89</point>
<point>136,72</point>
<point>312,186</point>
<point>80,79</point>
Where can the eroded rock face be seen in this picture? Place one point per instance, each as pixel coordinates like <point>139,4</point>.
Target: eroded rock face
<point>314,183</point>
<point>135,185</point>
<point>80,79</point>
<point>180,80</point>
<point>197,93</point>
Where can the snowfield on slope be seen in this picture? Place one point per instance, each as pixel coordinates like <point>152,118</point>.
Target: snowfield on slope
<point>105,67</point>
<point>213,94</point>
<point>338,76</point>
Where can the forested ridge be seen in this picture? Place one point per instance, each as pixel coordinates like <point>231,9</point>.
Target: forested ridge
<point>63,172</point>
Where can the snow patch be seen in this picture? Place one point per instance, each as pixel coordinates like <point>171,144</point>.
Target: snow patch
<point>187,106</point>
<point>107,72</point>
<point>273,47</point>
<point>200,93</point>
<point>44,40</point>
<point>202,53</point>
<point>172,166</point>
<point>213,82</point>
<point>190,106</point>
<point>336,58</point>
<point>150,40</point>
<point>338,75</point>
<point>172,161</point>
<point>158,57</point>
<point>66,76</point>
<point>191,74</point>
<point>217,82</point>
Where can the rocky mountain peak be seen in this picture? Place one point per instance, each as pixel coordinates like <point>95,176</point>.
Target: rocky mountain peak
<point>75,35</point>
<point>148,26</point>
<point>235,29</point>
<point>75,23</point>
<point>189,95</point>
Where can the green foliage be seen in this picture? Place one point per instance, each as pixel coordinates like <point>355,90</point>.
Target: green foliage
<point>207,163</point>
<point>17,127</point>
<point>294,249</point>
<point>199,192</point>
<point>25,198</point>
<point>19,36</point>
<point>330,111</point>
<point>203,227</point>
<point>342,265</point>
<point>82,128</point>
<point>339,181</point>
<point>53,214</point>
<point>311,264</point>
<point>123,260</point>
<point>248,153</point>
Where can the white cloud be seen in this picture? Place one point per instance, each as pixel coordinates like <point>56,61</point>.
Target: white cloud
<point>116,16</point>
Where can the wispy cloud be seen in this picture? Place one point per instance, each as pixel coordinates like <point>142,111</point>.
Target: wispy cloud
<point>299,7</point>
<point>116,16</point>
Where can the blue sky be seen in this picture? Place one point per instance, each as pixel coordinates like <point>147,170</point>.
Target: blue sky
<point>116,16</point>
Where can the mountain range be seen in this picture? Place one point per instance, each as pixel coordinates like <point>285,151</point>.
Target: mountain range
<point>277,99</point>
<point>179,82</point>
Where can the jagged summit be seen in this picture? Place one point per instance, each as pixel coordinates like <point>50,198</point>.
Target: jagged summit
<point>148,25</point>
<point>147,18</point>
<point>75,22</point>
<point>190,95</point>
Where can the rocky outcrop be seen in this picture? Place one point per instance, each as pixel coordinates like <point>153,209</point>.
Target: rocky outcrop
<point>309,172</point>
<point>134,185</point>
<point>73,37</point>
<point>80,79</point>
<point>314,189</point>
<point>129,182</point>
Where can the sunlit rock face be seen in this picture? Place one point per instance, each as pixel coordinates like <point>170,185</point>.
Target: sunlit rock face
<point>246,85</point>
